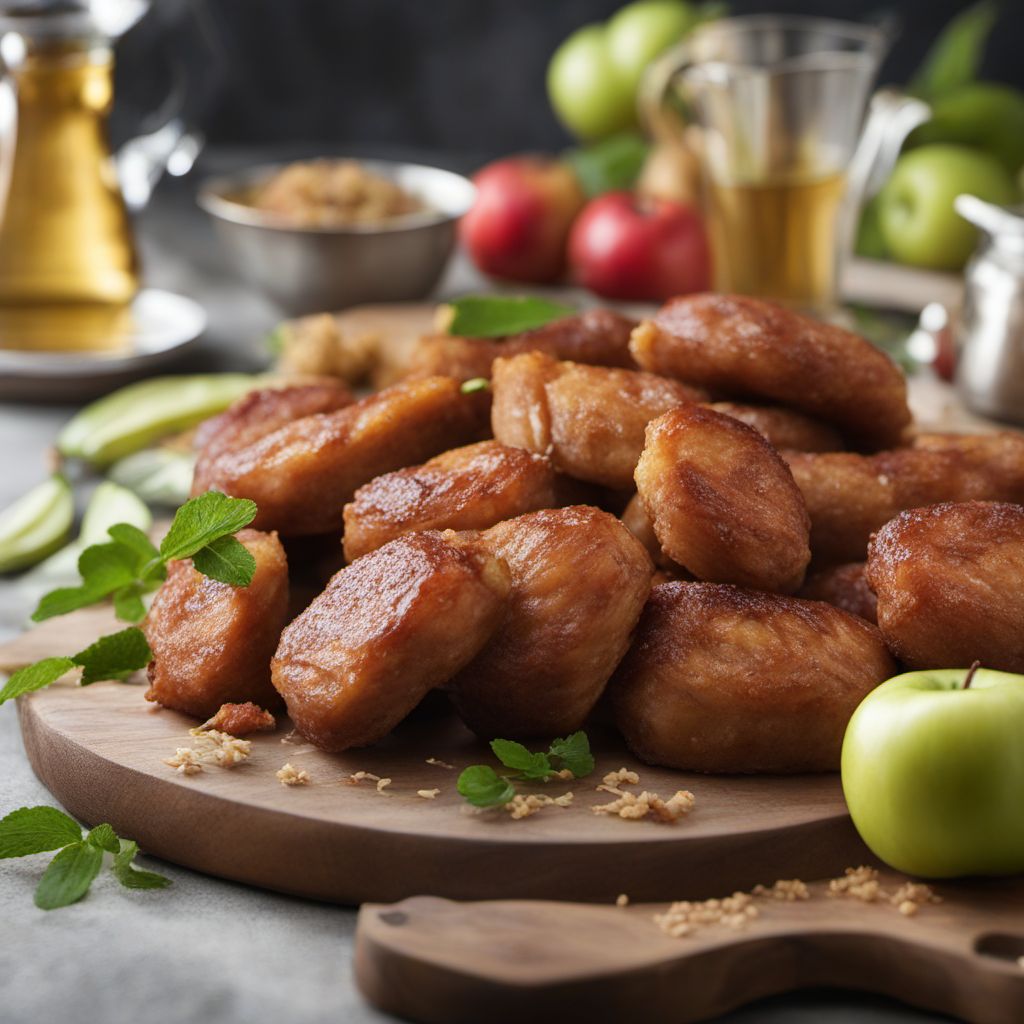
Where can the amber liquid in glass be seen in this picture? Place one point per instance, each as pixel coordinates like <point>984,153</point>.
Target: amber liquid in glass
<point>68,266</point>
<point>777,239</point>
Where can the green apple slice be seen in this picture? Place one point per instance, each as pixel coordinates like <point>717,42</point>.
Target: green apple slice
<point>157,475</point>
<point>133,417</point>
<point>36,524</point>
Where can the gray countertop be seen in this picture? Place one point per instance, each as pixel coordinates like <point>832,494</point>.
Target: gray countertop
<point>204,949</point>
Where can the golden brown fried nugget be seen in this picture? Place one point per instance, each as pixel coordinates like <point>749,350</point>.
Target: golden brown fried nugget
<point>467,488</point>
<point>211,642</point>
<point>737,345</point>
<point>590,419</point>
<point>257,414</point>
<point>579,582</point>
<point>388,629</point>
<point>950,585</point>
<point>785,428</point>
<point>850,496</point>
<point>301,475</point>
<point>845,587</point>
<point>635,519</point>
<point>722,502</point>
<point>721,679</point>
<point>599,337</point>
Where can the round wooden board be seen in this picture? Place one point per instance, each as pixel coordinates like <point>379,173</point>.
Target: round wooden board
<point>100,750</point>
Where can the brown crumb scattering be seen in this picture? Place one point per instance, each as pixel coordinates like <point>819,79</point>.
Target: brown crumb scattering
<point>686,916</point>
<point>185,761</point>
<point>241,719</point>
<point>523,806</point>
<point>428,794</point>
<point>862,883</point>
<point>633,806</point>
<point>620,777</point>
<point>787,889</point>
<point>382,784</point>
<point>356,777</point>
<point>622,900</point>
<point>289,775</point>
<point>209,746</point>
<point>438,763</point>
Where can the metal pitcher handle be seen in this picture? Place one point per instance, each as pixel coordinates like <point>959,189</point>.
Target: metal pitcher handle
<point>660,121</point>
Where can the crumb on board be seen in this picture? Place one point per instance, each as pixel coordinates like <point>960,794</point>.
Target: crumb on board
<point>523,805</point>
<point>356,777</point>
<point>209,745</point>
<point>438,763</point>
<point>185,761</point>
<point>428,794</point>
<point>862,883</point>
<point>289,775</point>
<point>622,900</point>
<point>290,737</point>
<point>787,889</point>
<point>382,784</point>
<point>241,719</point>
<point>619,777</point>
<point>686,916</point>
<point>633,806</point>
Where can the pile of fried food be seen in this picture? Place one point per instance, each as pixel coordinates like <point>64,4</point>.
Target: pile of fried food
<point>718,524</point>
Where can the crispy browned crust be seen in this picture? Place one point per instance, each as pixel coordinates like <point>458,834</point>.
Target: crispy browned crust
<point>785,428</point>
<point>301,475</point>
<point>241,719</point>
<point>467,488</point>
<point>845,587</point>
<point>579,582</point>
<point>599,337</point>
<point>746,347</point>
<point>950,585</point>
<point>212,642</point>
<point>850,496</point>
<point>721,679</point>
<point>722,501</point>
<point>389,628</point>
<point>590,419</point>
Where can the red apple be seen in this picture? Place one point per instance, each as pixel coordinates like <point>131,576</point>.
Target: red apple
<point>625,247</point>
<point>519,223</point>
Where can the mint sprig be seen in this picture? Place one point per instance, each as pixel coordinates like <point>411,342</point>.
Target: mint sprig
<point>69,875</point>
<point>128,566</point>
<point>496,316</point>
<point>482,786</point>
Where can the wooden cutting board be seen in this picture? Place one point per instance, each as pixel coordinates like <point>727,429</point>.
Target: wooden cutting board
<point>437,962</point>
<point>100,750</point>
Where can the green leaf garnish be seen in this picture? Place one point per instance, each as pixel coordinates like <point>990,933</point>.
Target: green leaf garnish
<point>131,877</point>
<point>66,880</point>
<point>955,56</point>
<point>470,387</point>
<point>35,677</point>
<point>128,604</point>
<point>516,756</point>
<point>482,786</point>
<point>115,656</point>
<point>202,520</point>
<point>227,560</point>
<point>495,316</point>
<point>69,875</point>
<point>31,830</point>
<point>612,164</point>
<point>574,753</point>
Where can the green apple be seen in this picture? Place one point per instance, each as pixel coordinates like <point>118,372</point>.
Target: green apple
<point>987,115</point>
<point>641,31</point>
<point>588,93</point>
<point>915,206</point>
<point>933,772</point>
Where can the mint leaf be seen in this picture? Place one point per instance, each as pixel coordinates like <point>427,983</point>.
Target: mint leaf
<point>64,600</point>
<point>128,606</point>
<point>115,656</point>
<point>35,677</point>
<point>482,786</point>
<point>495,316</point>
<point>612,164</point>
<point>69,875</point>
<point>574,753</point>
<point>954,58</point>
<point>202,520</point>
<point>31,830</point>
<point>132,538</point>
<point>228,560</point>
<point>471,387</point>
<point>103,837</point>
<point>516,756</point>
<point>133,878</point>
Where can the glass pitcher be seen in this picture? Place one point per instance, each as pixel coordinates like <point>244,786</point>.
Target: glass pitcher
<point>68,263</point>
<point>774,108</point>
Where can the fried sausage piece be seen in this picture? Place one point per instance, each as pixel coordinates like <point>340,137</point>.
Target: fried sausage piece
<point>845,587</point>
<point>301,475</point>
<point>579,582</point>
<point>785,428</point>
<point>241,719</point>
<point>388,629</point>
<point>599,337</point>
<point>211,642</point>
<point>950,585</point>
<point>590,419</point>
<point>722,501</point>
<point>467,488</point>
<point>850,496</point>
<point>721,679</point>
<point>741,346</point>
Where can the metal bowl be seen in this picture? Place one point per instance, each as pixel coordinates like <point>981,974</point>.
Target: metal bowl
<point>311,269</point>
